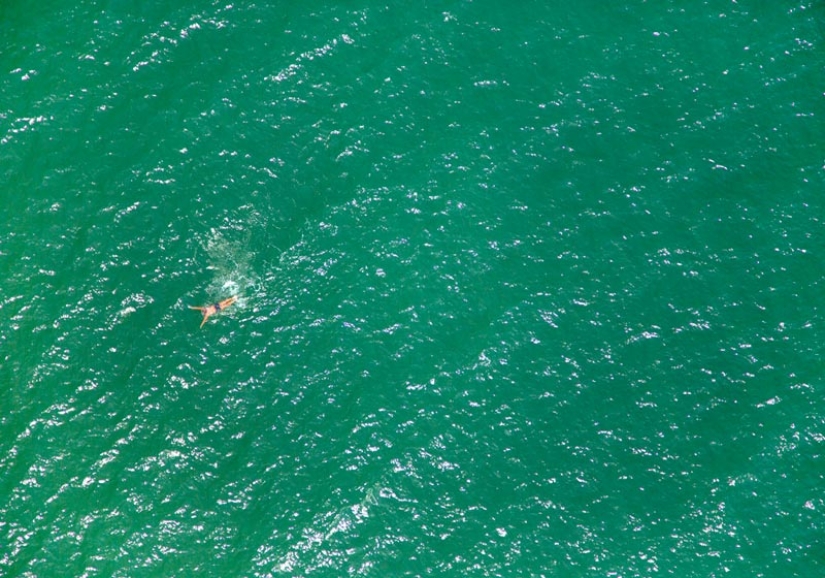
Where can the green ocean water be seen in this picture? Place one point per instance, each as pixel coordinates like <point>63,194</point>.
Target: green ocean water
<point>524,289</point>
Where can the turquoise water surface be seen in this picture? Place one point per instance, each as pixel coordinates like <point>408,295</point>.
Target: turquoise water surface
<point>524,289</point>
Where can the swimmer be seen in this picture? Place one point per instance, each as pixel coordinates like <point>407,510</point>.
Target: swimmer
<point>214,308</point>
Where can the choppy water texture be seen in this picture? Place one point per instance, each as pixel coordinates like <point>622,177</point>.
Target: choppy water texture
<point>525,289</point>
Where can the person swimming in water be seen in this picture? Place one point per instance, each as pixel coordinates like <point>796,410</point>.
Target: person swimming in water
<point>214,308</point>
